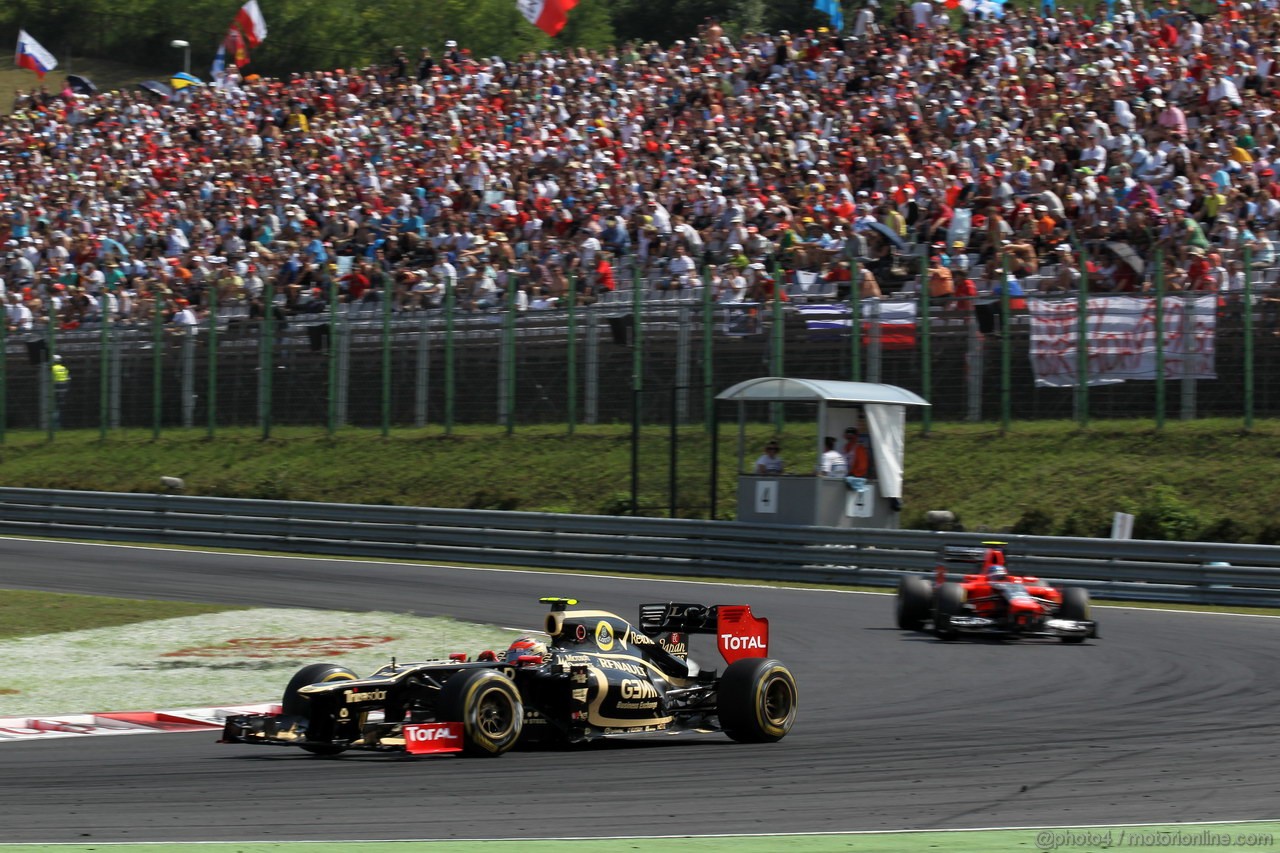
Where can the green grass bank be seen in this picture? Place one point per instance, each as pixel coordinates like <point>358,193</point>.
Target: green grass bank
<point>1201,480</point>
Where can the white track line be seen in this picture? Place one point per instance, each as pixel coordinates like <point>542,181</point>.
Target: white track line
<point>816,834</point>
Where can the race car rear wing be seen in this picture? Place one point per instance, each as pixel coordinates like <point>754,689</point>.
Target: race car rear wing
<point>662,618</point>
<point>963,553</point>
<point>739,633</point>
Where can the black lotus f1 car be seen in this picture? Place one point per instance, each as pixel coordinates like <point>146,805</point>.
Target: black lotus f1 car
<point>598,677</point>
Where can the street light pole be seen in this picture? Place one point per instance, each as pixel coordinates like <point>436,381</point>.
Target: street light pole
<point>186,53</point>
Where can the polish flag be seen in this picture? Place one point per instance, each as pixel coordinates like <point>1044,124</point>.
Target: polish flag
<point>547,15</point>
<point>251,23</point>
<point>32,56</point>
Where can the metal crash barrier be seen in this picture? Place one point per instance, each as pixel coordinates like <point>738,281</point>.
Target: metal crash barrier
<point>1139,570</point>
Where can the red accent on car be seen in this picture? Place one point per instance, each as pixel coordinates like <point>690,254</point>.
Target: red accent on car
<point>739,634</point>
<point>461,657</point>
<point>431,738</point>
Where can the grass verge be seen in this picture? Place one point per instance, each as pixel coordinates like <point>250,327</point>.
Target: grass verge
<point>28,614</point>
<point>1192,481</point>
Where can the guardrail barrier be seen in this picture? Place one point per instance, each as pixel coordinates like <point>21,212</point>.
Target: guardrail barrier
<point>1140,570</point>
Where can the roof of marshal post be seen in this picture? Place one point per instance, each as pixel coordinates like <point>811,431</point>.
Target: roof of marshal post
<point>772,389</point>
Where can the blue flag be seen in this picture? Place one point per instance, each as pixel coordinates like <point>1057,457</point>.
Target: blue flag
<point>833,11</point>
<point>219,65</point>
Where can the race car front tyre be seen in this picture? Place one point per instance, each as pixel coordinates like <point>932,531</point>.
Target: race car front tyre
<point>488,705</point>
<point>296,704</point>
<point>950,602</point>
<point>1075,607</point>
<point>915,600</point>
<point>757,700</point>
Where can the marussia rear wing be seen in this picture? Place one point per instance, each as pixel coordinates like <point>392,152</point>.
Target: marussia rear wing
<point>738,632</point>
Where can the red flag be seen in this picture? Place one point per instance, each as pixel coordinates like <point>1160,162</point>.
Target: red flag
<point>549,16</point>
<point>952,4</point>
<point>251,23</point>
<point>237,53</point>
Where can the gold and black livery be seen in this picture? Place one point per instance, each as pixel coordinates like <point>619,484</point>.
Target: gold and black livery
<point>599,677</point>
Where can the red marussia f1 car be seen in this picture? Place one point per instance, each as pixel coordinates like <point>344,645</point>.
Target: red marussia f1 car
<point>598,677</point>
<point>989,600</point>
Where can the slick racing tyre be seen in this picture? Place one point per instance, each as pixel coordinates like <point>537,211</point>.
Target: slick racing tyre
<point>915,600</point>
<point>488,705</point>
<point>951,598</point>
<point>757,700</point>
<point>1075,606</point>
<point>298,705</point>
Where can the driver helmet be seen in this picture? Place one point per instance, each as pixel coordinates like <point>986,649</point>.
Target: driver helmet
<point>998,573</point>
<point>526,646</point>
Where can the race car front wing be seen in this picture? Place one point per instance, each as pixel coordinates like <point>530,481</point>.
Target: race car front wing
<point>376,736</point>
<point>1047,628</point>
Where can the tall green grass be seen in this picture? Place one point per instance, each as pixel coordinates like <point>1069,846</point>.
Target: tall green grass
<point>1196,480</point>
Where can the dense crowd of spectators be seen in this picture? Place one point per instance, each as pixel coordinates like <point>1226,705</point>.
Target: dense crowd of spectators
<point>1041,145</point>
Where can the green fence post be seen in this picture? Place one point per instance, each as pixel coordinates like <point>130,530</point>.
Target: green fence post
<point>157,364</point>
<point>1006,351</point>
<point>50,399</point>
<point>1082,341</point>
<point>708,350</point>
<point>926,344</point>
<point>386,353</point>
<point>450,365</point>
<point>637,333</point>
<point>211,394</point>
<point>331,411</point>
<point>104,368</point>
<point>1159,342</point>
<point>571,352</point>
<point>855,321</point>
<point>1248,337</point>
<point>509,335</point>
<point>778,341</point>
<point>637,385</point>
<point>267,358</point>
<point>4,376</point>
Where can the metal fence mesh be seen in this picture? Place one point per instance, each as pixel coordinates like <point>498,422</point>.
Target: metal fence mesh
<point>362,367</point>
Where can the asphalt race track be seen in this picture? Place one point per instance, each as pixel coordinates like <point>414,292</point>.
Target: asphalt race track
<point>1169,717</point>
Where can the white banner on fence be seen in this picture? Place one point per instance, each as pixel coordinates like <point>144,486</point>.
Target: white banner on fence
<point>1122,340</point>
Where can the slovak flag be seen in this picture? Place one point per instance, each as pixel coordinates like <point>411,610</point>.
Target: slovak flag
<point>33,56</point>
<point>251,23</point>
<point>549,16</point>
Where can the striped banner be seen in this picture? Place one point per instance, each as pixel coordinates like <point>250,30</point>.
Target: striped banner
<point>1122,340</point>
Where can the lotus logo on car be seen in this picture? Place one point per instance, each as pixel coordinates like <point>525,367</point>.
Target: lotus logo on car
<point>427,738</point>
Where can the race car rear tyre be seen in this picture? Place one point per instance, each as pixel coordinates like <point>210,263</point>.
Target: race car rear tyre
<point>1075,606</point>
<point>949,602</point>
<point>488,705</point>
<point>757,700</point>
<point>297,704</point>
<point>915,600</point>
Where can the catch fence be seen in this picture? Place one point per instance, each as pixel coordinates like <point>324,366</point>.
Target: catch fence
<point>647,356</point>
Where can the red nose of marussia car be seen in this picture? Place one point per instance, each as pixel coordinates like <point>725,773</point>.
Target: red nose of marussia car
<point>1025,612</point>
